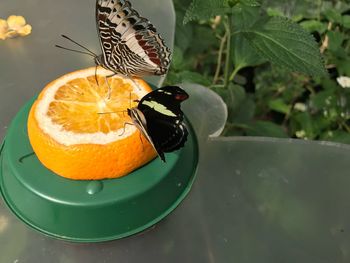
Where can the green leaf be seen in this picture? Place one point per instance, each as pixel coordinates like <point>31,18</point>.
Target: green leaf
<point>245,16</point>
<point>171,78</point>
<point>335,40</point>
<point>250,2</point>
<point>323,99</point>
<point>321,123</point>
<point>232,3</point>
<point>240,106</point>
<point>314,25</point>
<point>303,126</point>
<point>193,77</point>
<point>233,96</point>
<point>286,44</point>
<point>343,66</point>
<point>240,80</point>
<point>205,9</point>
<point>329,84</point>
<point>204,39</point>
<point>245,112</point>
<point>336,136</point>
<point>184,33</point>
<point>297,18</point>
<point>274,12</point>
<point>243,54</point>
<point>266,128</point>
<point>279,105</point>
<point>333,15</point>
<point>346,21</point>
<point>177,59</point>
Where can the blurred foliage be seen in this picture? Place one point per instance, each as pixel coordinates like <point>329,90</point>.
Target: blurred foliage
<point>266,60</point>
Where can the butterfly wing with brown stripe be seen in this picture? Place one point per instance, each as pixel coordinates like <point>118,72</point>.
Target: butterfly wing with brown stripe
<point>130,44</point>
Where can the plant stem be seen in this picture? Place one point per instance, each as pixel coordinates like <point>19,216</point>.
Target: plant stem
<point>217,86</point>
<point>346,127</point>
<point>310,89</point>
<point>319,8</point>
<point>228,49</point>
<point>234,73</point>
<point>218,66</point>
<point>238,125</point>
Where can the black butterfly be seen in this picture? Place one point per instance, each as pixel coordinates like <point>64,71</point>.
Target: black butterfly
<point>130,44</point>
<point>159,118</point>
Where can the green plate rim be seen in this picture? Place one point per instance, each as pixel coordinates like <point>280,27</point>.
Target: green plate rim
<point>132,232</point>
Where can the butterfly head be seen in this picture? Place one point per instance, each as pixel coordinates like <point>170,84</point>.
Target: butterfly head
<point>99,60</point>
<point>175,92</point>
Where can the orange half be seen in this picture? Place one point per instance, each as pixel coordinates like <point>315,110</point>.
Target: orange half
<point>79,129</point>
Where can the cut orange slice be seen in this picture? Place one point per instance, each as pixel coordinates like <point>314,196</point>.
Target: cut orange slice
<point>78,126</point>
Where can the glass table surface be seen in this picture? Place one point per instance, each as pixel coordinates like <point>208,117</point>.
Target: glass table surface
<point>254,199</point>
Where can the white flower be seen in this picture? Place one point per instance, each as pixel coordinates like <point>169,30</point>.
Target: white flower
<point>300,134</point>
<point>300,106</point>
<point>344,81</point>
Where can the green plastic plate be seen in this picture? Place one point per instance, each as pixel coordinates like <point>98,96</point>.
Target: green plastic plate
<point>91,211</point>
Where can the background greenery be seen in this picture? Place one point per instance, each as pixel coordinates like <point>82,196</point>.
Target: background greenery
<point>274,63</point>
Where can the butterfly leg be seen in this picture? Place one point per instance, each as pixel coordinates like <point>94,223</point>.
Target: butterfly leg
<point>129,76</point>
<point>108,76</point>
<point>25,156</point>
<point>96,77</point>
<point>125,123</point>
<point>133,81</point>
<point>109,89</point>
<point>140,134</point>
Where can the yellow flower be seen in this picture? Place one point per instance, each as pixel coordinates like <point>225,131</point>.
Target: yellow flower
<point>3,29</point>
<point>13,27</point>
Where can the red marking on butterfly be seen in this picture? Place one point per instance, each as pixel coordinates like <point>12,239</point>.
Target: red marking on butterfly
<point>142,42</point>
<point>181,97</point>
<point>155,60</point>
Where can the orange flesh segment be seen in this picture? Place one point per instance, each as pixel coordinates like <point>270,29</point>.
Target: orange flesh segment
<point>83,106</point>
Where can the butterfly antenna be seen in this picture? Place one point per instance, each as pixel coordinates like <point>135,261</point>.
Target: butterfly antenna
<point>74,50</point>
<point>110,112</point>
<point>80,45</point>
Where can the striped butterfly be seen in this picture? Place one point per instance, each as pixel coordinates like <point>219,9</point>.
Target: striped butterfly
<point>159,118</point>
<point>130,43</point>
